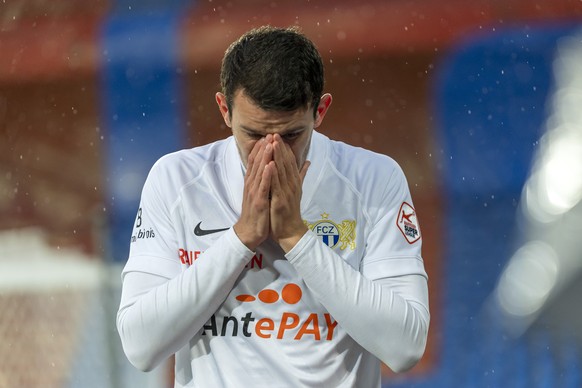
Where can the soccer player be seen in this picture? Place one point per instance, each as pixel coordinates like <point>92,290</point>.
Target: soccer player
<point>276,257</point>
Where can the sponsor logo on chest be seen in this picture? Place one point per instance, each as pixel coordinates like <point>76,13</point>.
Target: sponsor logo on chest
<point>286,326</point>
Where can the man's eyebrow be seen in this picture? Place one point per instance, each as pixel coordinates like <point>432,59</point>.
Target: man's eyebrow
<point>300,128</point>
<point>252,131</point>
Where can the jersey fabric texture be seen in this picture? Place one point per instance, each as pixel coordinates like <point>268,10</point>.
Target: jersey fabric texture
<point>236,318</point>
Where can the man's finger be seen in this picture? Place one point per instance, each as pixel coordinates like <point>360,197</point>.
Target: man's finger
<point>275,182</point>
<point>289,161</point>
<point>280,160</point>
<point>267,179</point>
<point>253,157</point>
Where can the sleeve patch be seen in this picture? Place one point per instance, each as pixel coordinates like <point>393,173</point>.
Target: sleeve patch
<point>408,223</point>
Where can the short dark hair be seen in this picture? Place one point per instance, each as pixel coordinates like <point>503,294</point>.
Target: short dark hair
<point>279,69</point>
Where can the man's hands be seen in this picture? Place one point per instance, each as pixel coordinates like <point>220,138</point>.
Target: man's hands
<point>287,227</point>
<point>254,225</point>
<point>272,196</point>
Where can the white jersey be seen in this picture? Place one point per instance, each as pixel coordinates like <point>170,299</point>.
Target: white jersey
<point>236,318</point>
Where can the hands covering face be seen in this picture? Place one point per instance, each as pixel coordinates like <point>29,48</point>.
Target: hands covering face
<point>272,195</point>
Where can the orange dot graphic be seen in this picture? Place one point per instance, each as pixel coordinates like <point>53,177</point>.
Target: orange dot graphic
<point>268,296</point>
<point>245,298</point>
<point>291,293</point>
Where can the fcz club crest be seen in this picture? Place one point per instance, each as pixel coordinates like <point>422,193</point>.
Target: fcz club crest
<point>408,223</point>
<point>333,234</point>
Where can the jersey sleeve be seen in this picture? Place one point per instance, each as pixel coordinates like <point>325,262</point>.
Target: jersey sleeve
<point>154,247</point>
<point>157,316</point>
<point>389,317</point>
<point>162,305</point>
<point>393,246</point>
<point>384,305</point>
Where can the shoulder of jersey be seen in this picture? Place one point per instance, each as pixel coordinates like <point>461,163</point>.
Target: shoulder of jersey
<point>355,161</point>
<point>186,165</point>
<point>193,157</point>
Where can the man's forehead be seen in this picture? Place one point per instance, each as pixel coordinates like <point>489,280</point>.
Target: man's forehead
<point>242,102</point>
<point>256,120</point>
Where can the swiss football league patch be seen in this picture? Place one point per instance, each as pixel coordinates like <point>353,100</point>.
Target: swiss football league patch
<point>408,223</point>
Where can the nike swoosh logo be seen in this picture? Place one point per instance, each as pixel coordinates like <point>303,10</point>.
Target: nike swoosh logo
<point>203,232</point>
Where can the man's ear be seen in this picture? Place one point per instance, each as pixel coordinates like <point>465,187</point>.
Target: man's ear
<point>322,108</point>
<point>223,108</point>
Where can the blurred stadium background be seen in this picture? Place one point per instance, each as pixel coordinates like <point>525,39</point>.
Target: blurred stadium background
<point>479,101</point>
